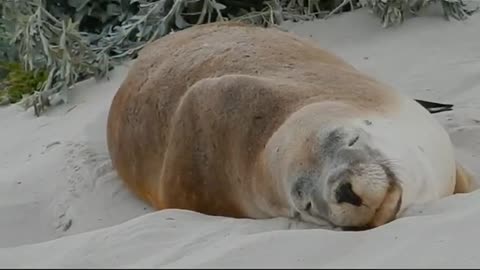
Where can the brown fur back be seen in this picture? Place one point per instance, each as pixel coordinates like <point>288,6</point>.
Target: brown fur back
<point>188,125</point>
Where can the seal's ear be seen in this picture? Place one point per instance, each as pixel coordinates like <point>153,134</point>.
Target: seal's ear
<point>463,183</point>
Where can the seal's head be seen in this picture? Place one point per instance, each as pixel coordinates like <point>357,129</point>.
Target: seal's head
<point>341,179</point>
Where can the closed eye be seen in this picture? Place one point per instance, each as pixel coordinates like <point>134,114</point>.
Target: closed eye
<point>353,141</point>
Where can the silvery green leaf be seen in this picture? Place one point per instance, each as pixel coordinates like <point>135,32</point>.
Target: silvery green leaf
<point>136,17</point>
<point>148,29</point>
<point>45,48</point>
<point>180,22</point>
<point>219,6</point>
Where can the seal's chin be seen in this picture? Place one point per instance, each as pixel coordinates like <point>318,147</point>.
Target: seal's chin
<point>332,215</point>
<point>349,216</point>
<point>355,220</point>
<point>359,218</point>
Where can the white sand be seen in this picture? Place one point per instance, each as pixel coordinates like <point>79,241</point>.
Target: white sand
<point>61,205</point>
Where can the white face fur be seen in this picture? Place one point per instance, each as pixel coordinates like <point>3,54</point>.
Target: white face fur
<point>349,186</point>
<point>379,153</point>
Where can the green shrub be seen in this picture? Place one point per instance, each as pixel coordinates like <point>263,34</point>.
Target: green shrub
<point>72,40</point>
<point>19,83</point>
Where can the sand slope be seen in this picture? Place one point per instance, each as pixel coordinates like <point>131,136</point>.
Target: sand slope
<point>61,205</point>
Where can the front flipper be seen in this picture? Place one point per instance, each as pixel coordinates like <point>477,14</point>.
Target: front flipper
<point>464,180</point>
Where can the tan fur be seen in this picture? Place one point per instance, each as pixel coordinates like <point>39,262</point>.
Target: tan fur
<point>191,126</point>
<point>464,180</point>
<point>389,207</point>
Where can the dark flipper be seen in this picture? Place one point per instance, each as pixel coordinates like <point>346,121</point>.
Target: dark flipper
<point>434,107</point>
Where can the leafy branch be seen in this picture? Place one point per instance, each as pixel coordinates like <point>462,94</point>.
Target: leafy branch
<point>392,12</point>
<point>78,39</point>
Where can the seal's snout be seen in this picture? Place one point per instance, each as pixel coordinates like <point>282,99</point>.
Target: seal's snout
<point>345,194</point>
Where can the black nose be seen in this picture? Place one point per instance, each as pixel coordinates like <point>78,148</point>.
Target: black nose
<point>345,194</point>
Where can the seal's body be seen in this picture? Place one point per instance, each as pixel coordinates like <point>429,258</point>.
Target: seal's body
<point>242,121</point>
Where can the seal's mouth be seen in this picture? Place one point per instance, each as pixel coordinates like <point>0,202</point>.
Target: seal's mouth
<point>325,223</point>
<point>386,212</point>
<point>390,206</point>
<point>357,228</point>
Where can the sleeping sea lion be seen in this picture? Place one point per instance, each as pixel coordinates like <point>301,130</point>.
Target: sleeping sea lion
<point>242,121</point>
